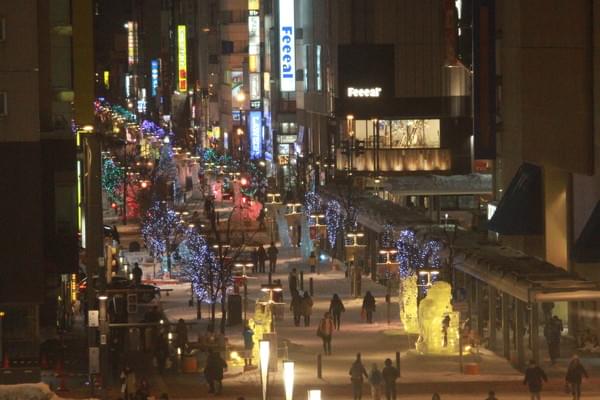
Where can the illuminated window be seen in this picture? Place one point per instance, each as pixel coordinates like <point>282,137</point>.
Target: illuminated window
<point>305,80</point>
<point>400,134</point>
<point>3,104</point>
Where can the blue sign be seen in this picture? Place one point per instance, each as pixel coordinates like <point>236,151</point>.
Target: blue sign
<point>154,73</point>
<point>255,128</point>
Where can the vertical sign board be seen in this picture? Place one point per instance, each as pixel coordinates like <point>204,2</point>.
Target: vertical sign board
<point>132,42</point>
<point>255,136</point>
<point>287,47</point>
<point>181,58</point>
<point>484,79</point>
<point>154,73</point>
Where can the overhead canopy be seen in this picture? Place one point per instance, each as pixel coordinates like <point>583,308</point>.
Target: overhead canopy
<point>520,210</point>
<point>439,185</point>
<point>587,246</point>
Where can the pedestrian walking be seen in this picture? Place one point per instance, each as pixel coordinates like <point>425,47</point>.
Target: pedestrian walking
<point>261,219</point>
<point>552,332</point>
<point>296,307</point>
<point>336,308</point>
<point>254,259</point>
<point>272,252</point>
<point>375,379</point>
<point>248,335</point>
<point>137,274</point>
<point>575,373</point>
<point>307,304</point>
<point>262,257</point>
<point>182,334</point>
<point>390,374</point>
<point>213,372</point>
<point>325,331</point>
<point>491,395</point>
<point>368,307</point>
<point>534,378</point>
<point>357,371</point>
<point>293,280</point>
<point>312,262</point>
<point>128,383</point>
<point>161,352</point>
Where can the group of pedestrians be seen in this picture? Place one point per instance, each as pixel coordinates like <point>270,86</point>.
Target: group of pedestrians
<point>301,307</point>
<point>535,378</point>
<point>378,379</point>
<point>260,256</point>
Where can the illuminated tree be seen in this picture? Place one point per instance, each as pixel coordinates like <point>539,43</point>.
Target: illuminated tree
<point>162,230</point>
<point>335,220</point>
<point>167,169</point>
<point>112,179</point>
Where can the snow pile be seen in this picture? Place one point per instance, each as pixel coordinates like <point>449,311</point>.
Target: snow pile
<point>29,391</point>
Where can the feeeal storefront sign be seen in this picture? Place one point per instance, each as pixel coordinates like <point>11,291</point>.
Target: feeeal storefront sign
<point>181,58</point>
<point>255,127</point>
<point>287,47</point>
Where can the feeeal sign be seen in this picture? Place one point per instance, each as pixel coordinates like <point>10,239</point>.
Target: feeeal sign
<point>287,48</point>
<point>255,128</point>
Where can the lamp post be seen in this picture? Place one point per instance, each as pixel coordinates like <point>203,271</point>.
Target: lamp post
<point>264,349</point>
<point>104,331</point>
<point>288,379</point>
<point>1,337</point>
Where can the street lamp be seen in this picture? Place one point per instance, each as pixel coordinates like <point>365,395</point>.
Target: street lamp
<point>430,274</point>
<point>264,350</point>
<point>288,379</point>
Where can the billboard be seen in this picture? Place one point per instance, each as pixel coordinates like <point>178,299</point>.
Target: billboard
<point>255,127</point>
<point>181,58</point>
<point>287,47</point>
<point>154,72</point>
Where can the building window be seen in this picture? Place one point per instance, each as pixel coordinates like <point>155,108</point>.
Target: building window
<point>3,104</point>
<point>400,134</point>
<point>305,62</point>
<point>318,68</point>
<point>2,29</point>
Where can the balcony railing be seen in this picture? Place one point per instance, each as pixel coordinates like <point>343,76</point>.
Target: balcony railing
<point>399,160</point>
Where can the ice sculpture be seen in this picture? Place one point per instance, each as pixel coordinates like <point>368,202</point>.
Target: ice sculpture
<point>438,324</point>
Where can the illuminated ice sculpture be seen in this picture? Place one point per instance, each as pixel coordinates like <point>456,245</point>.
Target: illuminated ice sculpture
<point>438,324</point>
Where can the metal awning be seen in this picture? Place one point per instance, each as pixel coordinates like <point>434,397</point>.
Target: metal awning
<point>439,185</point>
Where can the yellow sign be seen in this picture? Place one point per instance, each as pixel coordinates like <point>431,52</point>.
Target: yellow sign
<point>106,77</point>
<point>182,58</point>
<point>253,4</point>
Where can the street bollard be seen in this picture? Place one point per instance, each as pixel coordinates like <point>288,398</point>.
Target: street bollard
<point>311,288</point>
<point>398,363</point>
<point>319,366</point>
<point>301,280</point>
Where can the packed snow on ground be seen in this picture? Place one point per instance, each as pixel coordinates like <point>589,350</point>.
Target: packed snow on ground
<point>29,391</point>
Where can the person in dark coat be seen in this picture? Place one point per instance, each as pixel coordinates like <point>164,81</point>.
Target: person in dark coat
<point>262,257</point>
<point>390,374</point>
<point>272,252</point>
<point>575,373</point>
<point>213,372</point>
<point>296,307</point>
<point>552,332</point>
<point>248,335</point>
<point>254,259</point>
<point>293,280</point>
<point>182,334</point>
<point>357,371</point>
<point>306,307</point>
<point>368,306</point>
<point>161,352</point>
<point>534,377</point>
<point>137,274</point>
<point>336,308</point>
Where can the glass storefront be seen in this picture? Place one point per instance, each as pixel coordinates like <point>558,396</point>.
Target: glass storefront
<point>399,134</point>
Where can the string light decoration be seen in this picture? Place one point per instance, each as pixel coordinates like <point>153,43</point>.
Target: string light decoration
<point>150,128</point>
<point>162,230</point>
<point>112,179</point>
<point>167,169</point>
<point>200,266</point>
<point>334,219</point>
<point>413,256</point>
<point>312,203</point>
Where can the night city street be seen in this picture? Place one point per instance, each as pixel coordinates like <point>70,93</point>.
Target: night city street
<point>299,199</point>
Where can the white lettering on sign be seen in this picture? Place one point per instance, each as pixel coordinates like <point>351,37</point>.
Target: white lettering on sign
<point>363,92</point>
<point>287,47</point>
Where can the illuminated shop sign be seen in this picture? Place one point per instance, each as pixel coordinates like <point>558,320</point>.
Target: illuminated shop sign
<point>154,72</point>
<point>363,92</point>
<point>255,128</point>
<point>132,45</point>
<point>182,58</point>
<point>253,4</point>
<point>287,48</point>
<point>254,86</point>
<point>254,34</point>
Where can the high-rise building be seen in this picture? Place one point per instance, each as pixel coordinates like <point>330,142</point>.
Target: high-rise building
<point>46,90</point>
